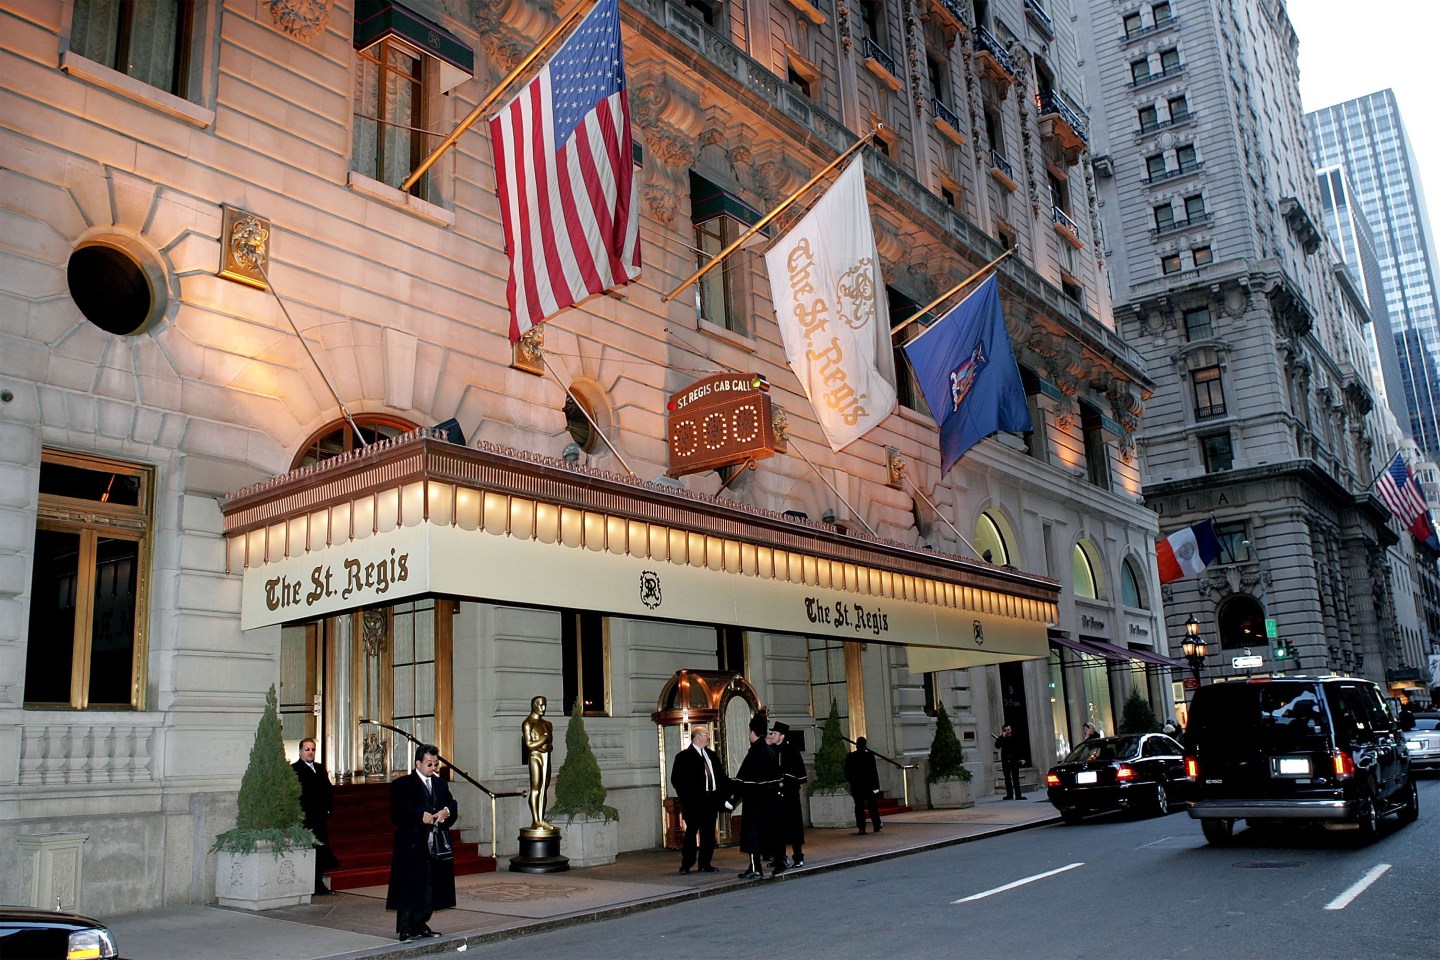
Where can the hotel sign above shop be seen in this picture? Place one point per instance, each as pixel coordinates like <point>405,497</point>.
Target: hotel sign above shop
<point>719,421</point>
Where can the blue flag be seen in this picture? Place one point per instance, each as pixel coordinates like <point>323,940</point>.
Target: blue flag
<point>967,372</point>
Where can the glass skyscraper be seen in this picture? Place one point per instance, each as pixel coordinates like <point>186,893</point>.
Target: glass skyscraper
<point>1367,138</point>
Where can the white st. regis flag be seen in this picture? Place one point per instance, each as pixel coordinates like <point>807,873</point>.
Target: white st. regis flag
<point>830,302</point>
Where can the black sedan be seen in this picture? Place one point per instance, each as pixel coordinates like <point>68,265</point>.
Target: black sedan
<point>42,934</point>
<point>1136,772</point>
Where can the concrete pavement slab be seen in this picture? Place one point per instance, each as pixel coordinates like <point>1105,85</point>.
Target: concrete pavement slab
<point>215,933</point>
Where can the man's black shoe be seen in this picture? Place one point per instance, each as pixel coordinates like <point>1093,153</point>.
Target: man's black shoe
<point>859,833</point>
<point>684,869</point>
<point>799,862</point>
<point>708,869</point>
<point>404,937</point>
<point>752,874</point>
<point>323,893</point>
<point>427,932</point>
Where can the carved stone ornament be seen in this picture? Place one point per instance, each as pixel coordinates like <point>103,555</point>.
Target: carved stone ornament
<point>301,19</point>
<point>528,353</point>
<point>895,468</point>
<point>244,247</point>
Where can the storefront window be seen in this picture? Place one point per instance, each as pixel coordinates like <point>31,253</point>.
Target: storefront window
<point>1059,719</point>
<point>827,677</point>
<point>585,639</point>
<point>1098,708</point>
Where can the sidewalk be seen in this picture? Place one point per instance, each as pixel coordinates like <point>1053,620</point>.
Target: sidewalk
<point>500,905</point>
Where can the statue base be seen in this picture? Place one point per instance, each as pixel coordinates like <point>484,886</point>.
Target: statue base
<point>539,854</point>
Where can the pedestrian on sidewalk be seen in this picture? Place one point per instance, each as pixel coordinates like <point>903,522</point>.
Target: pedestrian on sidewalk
<point>700,784</point>
<point>420,804</point>
<point>758,780</point>
<point>1011,760</point>
<point>316,801</point>
<point>1090,732</point>
<point>864,782</point>
<point>790,818</point>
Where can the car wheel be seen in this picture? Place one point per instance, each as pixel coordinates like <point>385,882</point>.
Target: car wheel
<point>1162,799</point>
<point>1410,812</point>
<point>1072,816</point>
<point>1368,817</point>
<point>1218,832</point>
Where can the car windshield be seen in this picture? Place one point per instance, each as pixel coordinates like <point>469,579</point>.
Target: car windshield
<point>1108,748</point>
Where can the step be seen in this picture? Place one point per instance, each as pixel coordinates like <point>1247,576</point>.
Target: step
<point>371,874</point>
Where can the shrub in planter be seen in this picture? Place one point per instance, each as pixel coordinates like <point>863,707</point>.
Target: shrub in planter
<point>1137,715</point>
<point>591,832</point>
<point>948,777</point>
<point>829,794</point>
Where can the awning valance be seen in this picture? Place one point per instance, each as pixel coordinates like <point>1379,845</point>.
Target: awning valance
<point>1096,647</point>
<point>377,19</point>
<point>417,515</point>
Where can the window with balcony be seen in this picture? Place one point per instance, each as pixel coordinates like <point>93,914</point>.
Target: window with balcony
<point>1170,263</point>
<point>1164,217</point>
<point>800,82</point>
<point>1187,159</point>
<point>1139,71</point>
<point>1203,256</point>
<point>1216,452</point>
<point>1132,24</point>
<point>1209,393</point>
<point>1195,208</point>
<point>994,130</point>
<point>1234,541</point>
<point>89,584</point>
<point>149,40</point>
<point>1149,119</point>
<point>1169,60</point>
<point>872,20</point>
<point>1198,324</point>
<point>585,662</point>
<point>1179,108</point>
<point>1155,166</point>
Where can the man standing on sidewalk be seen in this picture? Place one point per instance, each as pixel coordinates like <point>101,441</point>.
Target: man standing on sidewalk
<point>790,813</point>
<point>759,781</point>
<point>420,803</point>
<point>1011,760</point>
<point>864,782</point>
<point>699,785</point>
<point>316,802</point>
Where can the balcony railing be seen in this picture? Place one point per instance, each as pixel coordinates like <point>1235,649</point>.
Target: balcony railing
<point>1157,26</point>
<point>1177,120</point>
<point>1052,102</point>
<point>873,51</point>
<point>1035,12</point>
<point>1172,174</point>
<point>1173,225</point>
<point>1063,218</point>
<point>998,161</point>
<point>1175,70</point>
<point>945,114</point>
<point>952,7</point>
<point>986,41</point>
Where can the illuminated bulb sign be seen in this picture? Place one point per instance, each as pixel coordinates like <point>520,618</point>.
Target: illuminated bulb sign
<point>719,421</point>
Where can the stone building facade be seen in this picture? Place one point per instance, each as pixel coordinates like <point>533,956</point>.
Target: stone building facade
<point>218,302</point>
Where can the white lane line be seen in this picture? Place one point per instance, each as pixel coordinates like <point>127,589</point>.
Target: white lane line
<point>1017,883</point>
<point>1359,887</point>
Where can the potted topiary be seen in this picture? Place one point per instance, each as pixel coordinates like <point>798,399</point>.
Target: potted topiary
<point>830,804</point>
<point>268,860</point>
<point>589,829</point>
<point>948,777</point>
<point>1137,716</point>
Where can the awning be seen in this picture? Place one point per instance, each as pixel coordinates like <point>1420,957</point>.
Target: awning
<point>1109,651</point>
<point>417,515</point>
<point>709,200</point>
<point>376,20</point>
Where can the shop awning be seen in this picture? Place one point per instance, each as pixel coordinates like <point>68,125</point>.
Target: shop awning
<point>1109,651</point>
<point>417,515</point>
<point>375,20</point>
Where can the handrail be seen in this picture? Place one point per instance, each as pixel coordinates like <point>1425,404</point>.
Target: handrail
<point>902,767</point>
<point>493,795</point>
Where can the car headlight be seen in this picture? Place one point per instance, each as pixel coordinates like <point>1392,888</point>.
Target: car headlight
<point>91,945</point>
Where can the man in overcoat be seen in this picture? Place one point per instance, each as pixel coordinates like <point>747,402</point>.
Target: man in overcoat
<point>316,802</point>
<point>758,780</point>
<point>420,803</point>
<point>700,785</point>
<point>864,782</point>
<point>790,812</point>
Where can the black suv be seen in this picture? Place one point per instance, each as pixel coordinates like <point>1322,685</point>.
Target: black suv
<point>1319,749</point>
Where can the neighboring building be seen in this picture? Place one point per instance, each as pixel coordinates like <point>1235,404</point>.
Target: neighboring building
<point>1366,136</point>
<point>189,519</point>
<point>1263,416</point>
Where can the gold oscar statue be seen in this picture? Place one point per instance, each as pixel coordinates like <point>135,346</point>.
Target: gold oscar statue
<point>539,738</point>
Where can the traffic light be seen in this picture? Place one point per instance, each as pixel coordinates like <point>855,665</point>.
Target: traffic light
<point>1282,650</point>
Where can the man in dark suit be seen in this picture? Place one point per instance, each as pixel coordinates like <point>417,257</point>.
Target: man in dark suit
<point>420,802</point>
<point>864,782</point>
<point>700,784</point>
<point>316,803</point>
<point>758,780</point>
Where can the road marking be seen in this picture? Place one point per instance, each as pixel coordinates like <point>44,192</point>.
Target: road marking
<point>1360,886</point>
<point>1153,843</point>
<point>1017,883</point>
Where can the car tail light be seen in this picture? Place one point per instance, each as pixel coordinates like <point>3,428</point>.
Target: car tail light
<point>1051,780</point>
<point>1124,773</point>
<point>1192,768</point>
<point>1344,765</point>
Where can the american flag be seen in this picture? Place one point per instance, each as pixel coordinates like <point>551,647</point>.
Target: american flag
<point>1401,492</point>
<point>563,172</point>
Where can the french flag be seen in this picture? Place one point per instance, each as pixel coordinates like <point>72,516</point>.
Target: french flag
<point>1186,552</point>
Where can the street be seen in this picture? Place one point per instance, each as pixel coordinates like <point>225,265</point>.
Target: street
<point>1112,887</point>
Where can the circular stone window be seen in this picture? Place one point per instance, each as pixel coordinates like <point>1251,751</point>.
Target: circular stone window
<point>116,285</point>
<point>591,411</point>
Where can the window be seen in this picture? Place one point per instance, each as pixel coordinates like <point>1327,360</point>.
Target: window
<point>86,639</point>
<point>339,437</point>
<point>1203,256</point>
<point>1195,208</point>
<point>1082,572</point>
<point>799,82</point>
<point>1164,217</point>
<point>1139,71</point>
<point>1170,264</point>
<point>1198,324</point>
<point>1186,159</point>
<point>931,684</point>
<point>145,39</point>
<point>1132,24</point>
<point>948,195</point>
<point>706,11</point>
<point>1097,452</point>
<point>730,649</point>
<point>872,17</point>
<point>994,131</point>
<point>1217,452</point>
<point>1179,109</point>
<point>1234,542</point>
<point>716,296</point>
<point>391,114</point>
<point>937,71</point>
<point>585,662</point>
<point>1059,193</point>
<point>990,541</point>
<point>1072,289</point>
<point>1241,621</point>
<point>1155,166</point>
<point>1149,118</point>
<point>1209,394</point>
<point>1035,442</point>
<point>1169,60</point>
<point>907,388</point>
<point>1132,585</point>
<point>1161,12</point>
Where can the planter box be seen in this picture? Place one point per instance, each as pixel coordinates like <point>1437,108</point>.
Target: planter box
<point>261,880</point>
<point>589,842</point>
<point>951,793</point>
<point>832,810</point>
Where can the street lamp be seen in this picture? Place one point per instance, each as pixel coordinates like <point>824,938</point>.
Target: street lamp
<point>1193,646</point>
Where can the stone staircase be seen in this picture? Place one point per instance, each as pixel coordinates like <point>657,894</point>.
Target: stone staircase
<point>362,837</point>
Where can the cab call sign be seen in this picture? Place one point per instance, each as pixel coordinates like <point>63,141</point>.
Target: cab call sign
<point>719,421</point>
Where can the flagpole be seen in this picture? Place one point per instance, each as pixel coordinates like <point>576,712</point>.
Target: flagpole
<point>495,94</point>
<point>591,420</point>
<point>952,291</point>
<point>1386,469</point>
<point>838,495</point>
<point>715,260</point>
<point>943,519</point>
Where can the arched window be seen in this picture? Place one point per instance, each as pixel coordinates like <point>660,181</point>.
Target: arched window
<point>990,540</point>
<point>1242,623</point>
<point>1084,572</point>
<point>338,437</point>
<point>1132,585</point>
